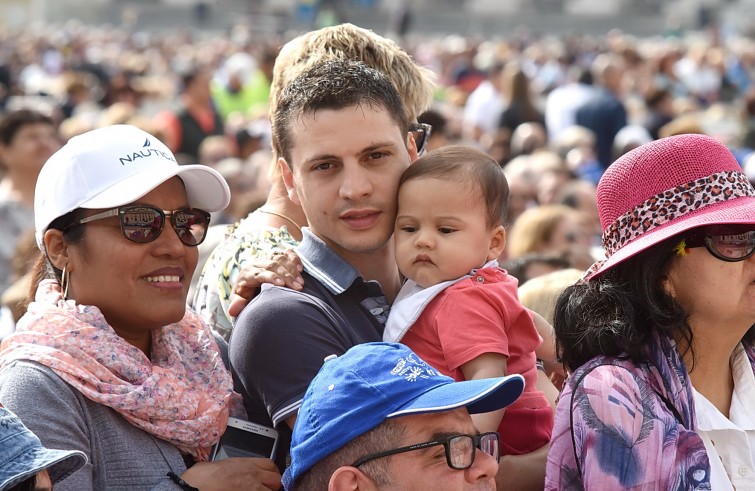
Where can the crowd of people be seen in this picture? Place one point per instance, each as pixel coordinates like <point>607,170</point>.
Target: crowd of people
<point>377,213</point>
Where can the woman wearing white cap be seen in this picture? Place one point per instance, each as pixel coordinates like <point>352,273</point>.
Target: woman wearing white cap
<point>659,335</point>
<point>108,360</point>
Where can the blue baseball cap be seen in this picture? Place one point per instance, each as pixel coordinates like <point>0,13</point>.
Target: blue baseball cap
<point>355,392</point>
<point>22,454</point>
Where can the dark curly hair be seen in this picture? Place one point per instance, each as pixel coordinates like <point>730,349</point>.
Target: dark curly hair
<point>617,313</point>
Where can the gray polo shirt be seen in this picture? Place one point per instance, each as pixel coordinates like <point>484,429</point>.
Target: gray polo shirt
<point>281,339</point>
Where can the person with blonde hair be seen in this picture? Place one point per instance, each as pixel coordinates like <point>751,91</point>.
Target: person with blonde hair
<point>276,225</point>
<point>551,228</point>
<point>349,42</point>
<point>540,293</point>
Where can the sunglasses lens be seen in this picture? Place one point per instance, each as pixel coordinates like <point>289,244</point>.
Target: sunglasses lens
<point>141,223</point>
<point>419,139</point>
<point>421,134</point>
<point>735,247</point>
<point>191,225</point>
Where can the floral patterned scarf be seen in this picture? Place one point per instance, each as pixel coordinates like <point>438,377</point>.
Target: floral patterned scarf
<point>619,433</point>
<point>182,395</point>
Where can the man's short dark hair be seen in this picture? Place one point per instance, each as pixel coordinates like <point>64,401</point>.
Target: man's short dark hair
<point>12,123</point>
<point>388,434</point>
<point>334,85</point>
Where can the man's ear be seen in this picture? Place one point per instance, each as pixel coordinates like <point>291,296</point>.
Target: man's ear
<point>349,478</point>
<point>411,147</point>
<point>288,180</point>
<point>497,242</point>
<point>56,248</point>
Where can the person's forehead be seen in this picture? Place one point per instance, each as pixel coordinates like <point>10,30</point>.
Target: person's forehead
<point>38,127</point>
<point>423,427</point>
<point>459,198</point>
<point>343,131</point>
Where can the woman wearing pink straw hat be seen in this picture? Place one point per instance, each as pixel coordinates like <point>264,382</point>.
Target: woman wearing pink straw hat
<point>659,335</point>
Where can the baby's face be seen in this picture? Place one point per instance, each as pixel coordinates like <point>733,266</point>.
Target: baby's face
<point>441,231</point>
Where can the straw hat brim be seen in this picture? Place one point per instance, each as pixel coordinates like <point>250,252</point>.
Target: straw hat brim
<point>734,211</point>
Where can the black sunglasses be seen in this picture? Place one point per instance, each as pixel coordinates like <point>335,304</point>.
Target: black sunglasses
<point>729,243</point>
<point>144,223</point>
<point>421,133</point>
<point>460,449</point>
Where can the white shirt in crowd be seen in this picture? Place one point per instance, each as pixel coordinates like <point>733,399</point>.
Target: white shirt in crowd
<point>730,442</point>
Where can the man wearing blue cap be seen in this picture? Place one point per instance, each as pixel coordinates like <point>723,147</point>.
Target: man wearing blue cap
<point>379,400</point>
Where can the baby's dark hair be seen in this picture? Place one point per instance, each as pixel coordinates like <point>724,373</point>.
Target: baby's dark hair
<point>469,167</point>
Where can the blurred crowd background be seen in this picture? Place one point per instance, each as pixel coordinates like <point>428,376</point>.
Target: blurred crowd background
<point>555,90</point>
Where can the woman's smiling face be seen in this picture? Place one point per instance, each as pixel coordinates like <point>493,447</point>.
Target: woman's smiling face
<point>138,287</point>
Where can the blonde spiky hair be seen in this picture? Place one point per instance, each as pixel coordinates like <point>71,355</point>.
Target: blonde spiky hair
<point>415,84</point>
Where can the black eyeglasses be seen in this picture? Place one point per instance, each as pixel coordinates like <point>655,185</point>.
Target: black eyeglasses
<point>421,133</point>
<point>144,223</point>
<point>460,449</point>
<point>729,244</point>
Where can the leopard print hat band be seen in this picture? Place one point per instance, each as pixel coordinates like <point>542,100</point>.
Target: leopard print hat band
<point>664,188</point>
<point>673,203</point>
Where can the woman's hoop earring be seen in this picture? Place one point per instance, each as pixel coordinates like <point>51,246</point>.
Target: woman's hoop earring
<point>65,280</point>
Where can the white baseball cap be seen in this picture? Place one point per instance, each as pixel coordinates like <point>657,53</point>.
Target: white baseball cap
<point>113,166</point>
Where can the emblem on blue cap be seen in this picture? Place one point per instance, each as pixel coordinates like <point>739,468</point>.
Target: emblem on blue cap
<point>412,368</point>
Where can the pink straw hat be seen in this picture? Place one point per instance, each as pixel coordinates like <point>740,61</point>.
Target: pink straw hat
<point>667,187</point>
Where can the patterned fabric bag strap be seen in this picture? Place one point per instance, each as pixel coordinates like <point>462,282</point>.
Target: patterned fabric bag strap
<point>663,398</point>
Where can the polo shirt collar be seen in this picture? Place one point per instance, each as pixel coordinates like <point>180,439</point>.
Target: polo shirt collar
<point>324,264</point>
